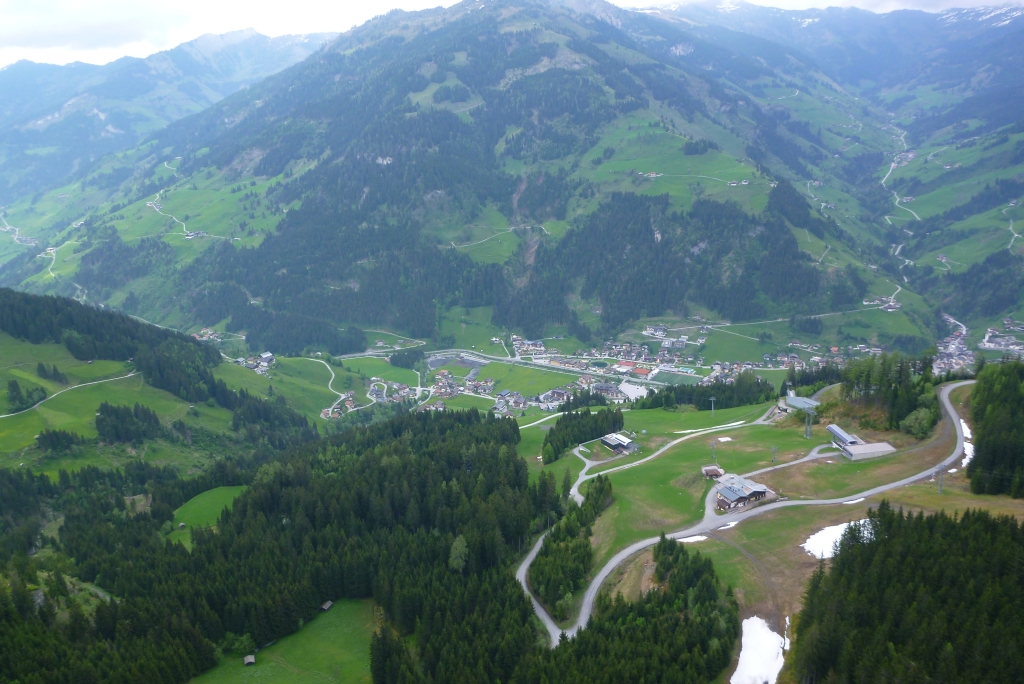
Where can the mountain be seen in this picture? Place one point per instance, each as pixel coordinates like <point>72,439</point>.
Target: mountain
<point>55,120</point>
<point>568,169</point>
<point>974,52</point>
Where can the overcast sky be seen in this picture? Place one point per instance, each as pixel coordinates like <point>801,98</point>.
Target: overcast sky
<point>99,31</point>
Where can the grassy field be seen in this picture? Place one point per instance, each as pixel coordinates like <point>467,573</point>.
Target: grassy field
<point>464,401</point>
<point>472,329</point>
<point>18,360</point>
<point>202,510</point>
<point>527,381</point>
<point>375,367</point>
<point>837,477</point>
<point>334,647</point>
<point>667,493</point>
<point>302,382</point>
<point>75,410</point>
<point>640,148</point>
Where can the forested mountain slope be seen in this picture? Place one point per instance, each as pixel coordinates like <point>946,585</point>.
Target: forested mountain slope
<point>471,157</point>
<point>56,120</point>
<point>417,127</point>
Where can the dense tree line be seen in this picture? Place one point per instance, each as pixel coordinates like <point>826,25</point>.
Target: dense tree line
<point>901,386</point>
<point>51,373</point>
<point>167,359</point>
<point>270,420</point>
<point>19,399</point>
<point>806,381</point>
<point>682,632</point>
<point>582,399</point>
<point>698,147</point>
<point>406,358</point>
<point>915,598</point>
<point>809,325</point>
<point>577,427</point>
<point>997,409</point>
<point>58,440</point>
<point>127,423</point>
<point>747,389</point>
<point>566,557</point>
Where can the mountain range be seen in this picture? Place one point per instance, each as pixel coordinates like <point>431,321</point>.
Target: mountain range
<point>566,168</point>
<point>55,120</point>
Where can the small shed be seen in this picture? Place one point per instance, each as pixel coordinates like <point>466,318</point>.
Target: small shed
<point>327,605</point>
<point>712,471</point>
<point>249,660</point>
<point>181,526</point>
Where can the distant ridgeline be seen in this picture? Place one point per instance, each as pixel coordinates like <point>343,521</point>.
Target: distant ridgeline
<point>425,513</point>
<point>167,359</point>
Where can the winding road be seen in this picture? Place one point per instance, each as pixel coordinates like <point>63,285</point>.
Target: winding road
<point>713,521</point>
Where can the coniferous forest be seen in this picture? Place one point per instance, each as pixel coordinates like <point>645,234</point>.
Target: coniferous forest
<point>424,513</point>
<point>997,407</point>
<point>911,598</point>
<point>576,427</point>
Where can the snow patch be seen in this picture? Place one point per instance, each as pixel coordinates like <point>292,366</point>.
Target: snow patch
<point>966,429</point>
<point>716,427</point>
<point>951,471</point>
<point>761,656</point>
<point>729,526</point>
<point>725,439</point>
<point>968,454</point>
<point>855,501</point>
<point>694,538</point>
<point>822,544</point>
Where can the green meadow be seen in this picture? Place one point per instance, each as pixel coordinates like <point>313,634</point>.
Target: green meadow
<point>376,367</point>
<point>301,381</point>
<point>526,380</point>
<point>333,648</point>
<point>202,510</point>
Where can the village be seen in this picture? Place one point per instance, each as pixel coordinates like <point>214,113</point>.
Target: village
<point>953,352</point>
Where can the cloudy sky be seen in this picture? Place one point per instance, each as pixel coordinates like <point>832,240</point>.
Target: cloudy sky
<point>99,31</point>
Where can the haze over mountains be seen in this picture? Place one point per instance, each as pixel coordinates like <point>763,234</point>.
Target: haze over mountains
<point>314,350</point>
<point>54,120</point>
<point>521,127</point>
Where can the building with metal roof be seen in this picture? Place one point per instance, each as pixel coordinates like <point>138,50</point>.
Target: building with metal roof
<point>735,491</point>
<point>841,437</point>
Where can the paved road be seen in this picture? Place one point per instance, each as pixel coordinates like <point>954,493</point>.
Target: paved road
<point>588,464</point>
<point>713,521</point>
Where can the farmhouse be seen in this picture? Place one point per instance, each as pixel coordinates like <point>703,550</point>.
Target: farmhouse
<point>619,443</point>
<point>735,491</point>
